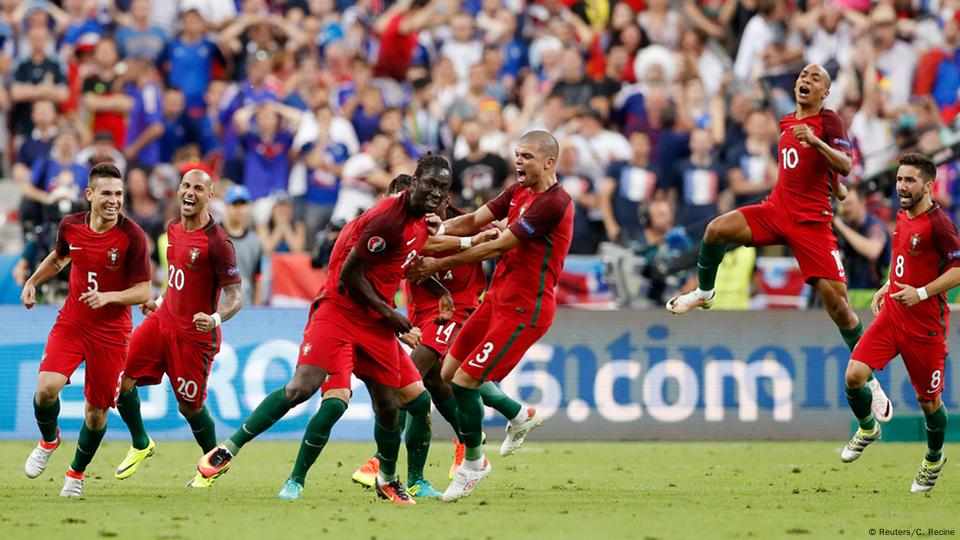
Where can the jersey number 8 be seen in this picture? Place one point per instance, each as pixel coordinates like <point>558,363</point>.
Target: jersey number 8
<point>898,267</point>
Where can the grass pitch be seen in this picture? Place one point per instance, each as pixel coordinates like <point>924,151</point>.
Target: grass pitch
<point>588,491</point>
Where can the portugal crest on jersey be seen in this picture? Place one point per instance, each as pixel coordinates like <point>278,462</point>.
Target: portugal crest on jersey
<point>914,244</point>
<point>194,255</point>
<point>113,259</point>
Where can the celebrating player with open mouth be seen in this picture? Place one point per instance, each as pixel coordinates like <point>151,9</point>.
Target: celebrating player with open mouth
<point>180,336</point>
<point>518,308</point>
<point>108,257</point>
<point>912,316</point>
<point>813,150</point>
<point>353,329</point>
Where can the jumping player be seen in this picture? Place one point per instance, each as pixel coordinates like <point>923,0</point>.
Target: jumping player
<point>180,336</point>
<point>109,263</point>
<point>912,316</point>
<point>353,328</point>
<point>813,150</point>
<point>519,307</point>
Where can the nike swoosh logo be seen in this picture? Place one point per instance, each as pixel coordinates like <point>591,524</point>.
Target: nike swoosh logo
<point>72,247</point>
<point>412,240</point>
<point>512,203</point>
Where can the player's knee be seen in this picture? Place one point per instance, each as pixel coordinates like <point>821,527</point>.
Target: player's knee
<point>46,394</point>
<point>96,418</point>
<point>929,406</point>
<point>439,390</point>
<point>715,231</point>
<point>298,391</point>
<point>855,377</point>
<point>127,385</point>
<point>188,410</point>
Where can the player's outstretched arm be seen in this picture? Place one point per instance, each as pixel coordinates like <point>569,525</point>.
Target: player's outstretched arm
<point>353,279</point>
<point>230,304</point>
<point>49,267</point>
<point>428,266</point>
<point>838,160</point>
<point>137,294</point>
<point>449,243</point>
<point>467,224</point>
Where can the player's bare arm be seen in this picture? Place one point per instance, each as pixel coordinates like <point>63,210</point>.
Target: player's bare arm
<point>877,303</point>
<point>838,160</point>
<point>137,294</point>
<point>354,280</point>
<point>428,266</point>
<point>911,296</point>
<point>51,266</point>
<point>229,306</point>
<point>448,242</point>
<point>444,300</point>
<point>467,224</point>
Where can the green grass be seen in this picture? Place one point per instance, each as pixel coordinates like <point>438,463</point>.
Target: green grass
<point>588,491</point>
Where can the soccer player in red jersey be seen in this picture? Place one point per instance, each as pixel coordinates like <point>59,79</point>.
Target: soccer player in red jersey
<point>519,307</point>
<point>180,336</point>
<point>110,265</point>
<point>465,285</point>
<point>813,151</point>
<point>912,316</point>
<point>353,329</point>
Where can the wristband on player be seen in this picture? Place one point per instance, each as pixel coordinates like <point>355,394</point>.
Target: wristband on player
<point>216,320</point>
<point>158,301</point>
<point>466,242</point>
<point>922,292</point>
<point>440,230</point>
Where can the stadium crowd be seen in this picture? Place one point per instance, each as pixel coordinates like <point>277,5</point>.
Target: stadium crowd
<point>304,110</point>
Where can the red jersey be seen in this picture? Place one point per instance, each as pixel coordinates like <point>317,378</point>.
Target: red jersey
<point>805,180</point>
<point>389,237</point>
<point>465,283</point>
<point>923,248</point>
<point>396,50</point>
<point>114,260</point>
<point>199,264</point>
<point>525,281</point>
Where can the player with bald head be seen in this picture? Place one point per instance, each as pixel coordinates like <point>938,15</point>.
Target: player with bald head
<point>181,335</point>
<point>813,152</point>
<point>519,306</point>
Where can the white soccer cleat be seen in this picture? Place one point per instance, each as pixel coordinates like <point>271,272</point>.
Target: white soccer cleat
<point>927,476</point>
<point>882,407</point>
<point>72,487</point>
<point>37,460</point>
<point>517,434</point>
<point>860,441</point>
<point>678,305</point>
<point>465,481</point>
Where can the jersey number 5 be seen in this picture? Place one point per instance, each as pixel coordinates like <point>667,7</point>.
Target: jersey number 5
<point>92,281</point>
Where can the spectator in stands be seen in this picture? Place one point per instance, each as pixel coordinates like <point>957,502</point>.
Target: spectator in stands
<point>598,146</point>
<point>190,58</point>
<point>102,98</point>
<point>581,190</point>
<point>102,151</point>
<point>870,129</point>
<point>57,181</point>
<point>574,87</point>
<point>366,116</point>
<point>246,243</point>
<point>627,189</point>
<point>145,123</point>
<point>36,77</point>
<point>363,176</point>
<point>177,127</point>
<point>895,59</point>
<point>282,233</point>
<point>136,36</point>
<point>753,164</point>
<point>398,28</point>
<point>660,243</point>
<point>865,244</point>
<point>480,174</point>
<point>266,144</point>
<point>701,61</point>
<point>763,30</point>
<point>38,142</point>
<point>423,117</point>
<point>661,24</point>
<point>463,49</point>
<point>144,208</point>
<point>698,182</point>
<point>466,105</point>
<point>323,159</point>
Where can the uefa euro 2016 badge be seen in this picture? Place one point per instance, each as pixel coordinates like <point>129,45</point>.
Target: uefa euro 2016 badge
<point>194,255</point>
<point>914,244</point>
<point>376,244</point>
<point>113,259</point>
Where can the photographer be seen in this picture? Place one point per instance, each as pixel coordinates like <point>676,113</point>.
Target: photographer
<point>865,245</point>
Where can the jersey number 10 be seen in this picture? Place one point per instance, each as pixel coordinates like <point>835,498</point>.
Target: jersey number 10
<point>789,158</point>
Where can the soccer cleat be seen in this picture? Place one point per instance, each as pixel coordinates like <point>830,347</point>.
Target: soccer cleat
<point>215,462</point>
<point>290,491</point>
<point>882,407</point>
<point>72,484</point>
<point>134,458</point>
<point>366,475</point>
<point>516,434</point>
<point>927,476</point>
<point>459,449</point>
<point>678,305</point>
<point>465,481</point>
<point>394,492</point>
<point>37,460</point>
<point>422,489</point>
<point>860,441</point>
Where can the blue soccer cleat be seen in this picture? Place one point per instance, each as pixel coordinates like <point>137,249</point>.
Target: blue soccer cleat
<point>290,491</point>
<point>423,489</point>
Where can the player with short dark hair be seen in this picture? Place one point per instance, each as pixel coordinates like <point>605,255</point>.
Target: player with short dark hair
<point>519,306</point>
<point>109,263</point>
<point>912,316</point>
<point>180,336</point>
<point>813,151</point>
<point>353,329</point>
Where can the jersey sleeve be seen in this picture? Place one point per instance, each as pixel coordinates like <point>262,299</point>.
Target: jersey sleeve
<point>499,206</point>
<point>63,247</point>
<point>946,239</point>
<point>834,134</point>
<point>223,258</point>
<point>542,216</point>
<point>381,233</point>
<point>138,258</point>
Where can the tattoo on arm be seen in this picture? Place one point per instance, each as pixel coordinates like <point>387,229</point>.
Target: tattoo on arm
<point>231,303</point>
